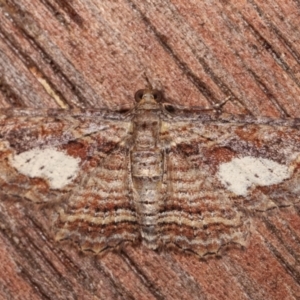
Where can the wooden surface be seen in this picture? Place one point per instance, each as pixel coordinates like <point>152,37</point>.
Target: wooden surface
<point>96,53</point>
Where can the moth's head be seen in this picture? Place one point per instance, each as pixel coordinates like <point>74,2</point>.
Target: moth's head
<point>148,99</point>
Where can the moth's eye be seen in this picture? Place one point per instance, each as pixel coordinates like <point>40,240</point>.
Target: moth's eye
<point>138,96</point>
<point>124,110</point>
<point>169,108</point>
<point>157,95</point>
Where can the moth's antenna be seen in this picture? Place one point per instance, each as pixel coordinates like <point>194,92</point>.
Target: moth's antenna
<point>149,85</point>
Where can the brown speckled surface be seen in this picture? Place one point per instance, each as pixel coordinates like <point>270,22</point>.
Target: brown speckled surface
<point>96,54</point>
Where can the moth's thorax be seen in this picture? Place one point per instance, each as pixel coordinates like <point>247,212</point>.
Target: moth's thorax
<point>146,150</point>
<point>146,123</point>
<point>146,127</point>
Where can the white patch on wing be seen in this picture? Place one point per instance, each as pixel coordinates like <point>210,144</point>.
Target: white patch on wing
<point>241,173</point>
<point>58,168</point>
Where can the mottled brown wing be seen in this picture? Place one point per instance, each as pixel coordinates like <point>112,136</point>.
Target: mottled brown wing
<point>76,134</point>
<point>100,213</point>
<point>76,160</point>
<point>202,212</point>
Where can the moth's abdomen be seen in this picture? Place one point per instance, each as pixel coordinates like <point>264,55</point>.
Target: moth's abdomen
<point>147,172</point>
<point>147,207</point>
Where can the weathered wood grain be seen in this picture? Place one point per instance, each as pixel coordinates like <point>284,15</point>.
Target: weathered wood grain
<point>97,54</point>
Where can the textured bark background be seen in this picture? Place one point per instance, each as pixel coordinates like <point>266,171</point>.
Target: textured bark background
<point>92,53</point>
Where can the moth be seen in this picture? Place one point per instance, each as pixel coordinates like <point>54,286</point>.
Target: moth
<point>159,175</point>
